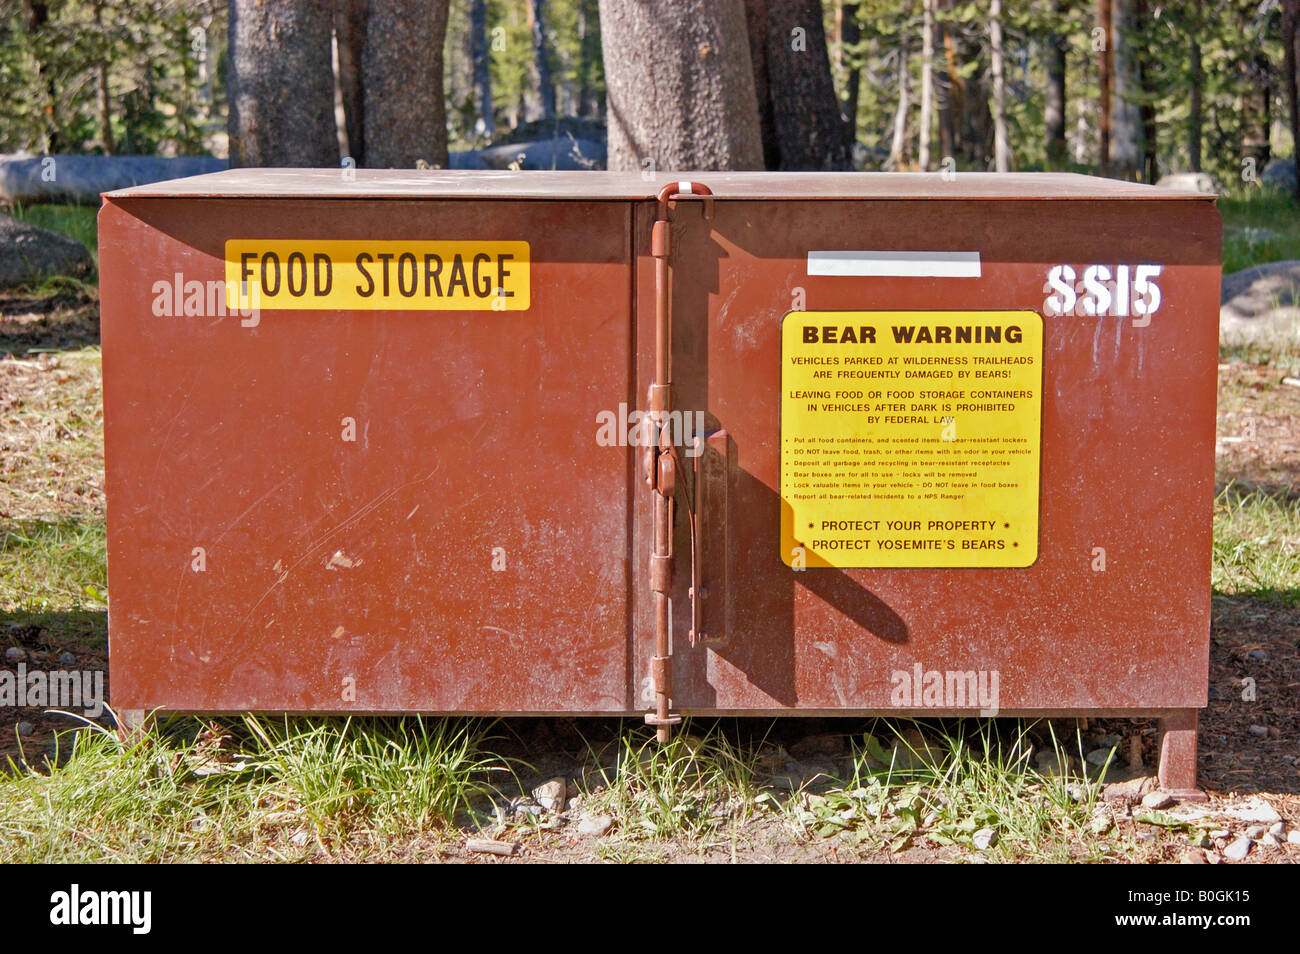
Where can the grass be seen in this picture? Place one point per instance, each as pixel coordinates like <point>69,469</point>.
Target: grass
<point>256,790</point>
<point>947,786</point>
<point>1257,545</point>
<point>1260,225</point>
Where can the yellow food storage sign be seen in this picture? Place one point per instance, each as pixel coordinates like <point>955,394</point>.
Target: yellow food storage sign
<point>910,438</point>
<point>350,275</point>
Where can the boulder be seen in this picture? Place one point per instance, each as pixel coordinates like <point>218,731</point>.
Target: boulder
<point>1261,304</point>
<point>1193,182</point>
<point>1280,174</point>
<point>29,253</point>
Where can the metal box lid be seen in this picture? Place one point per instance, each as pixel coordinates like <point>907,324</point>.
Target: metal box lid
<point>624,186</point>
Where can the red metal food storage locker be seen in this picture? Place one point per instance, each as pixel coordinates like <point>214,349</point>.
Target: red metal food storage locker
<point>743,443</point>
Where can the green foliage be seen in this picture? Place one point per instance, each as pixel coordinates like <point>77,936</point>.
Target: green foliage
<point>1257,545</point>
<point>160,58</point>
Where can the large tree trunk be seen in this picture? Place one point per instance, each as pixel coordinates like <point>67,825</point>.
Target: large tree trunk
<point>927,84</point>
<point>478,52</point>
<point>1054,105</point>
<point>1103,84</point>
<point>680,85</point>
<point>402,76</point>
<point>952,93</point>
<point>281,85</point>
<point>798,111</point>
<point>1001,151</point>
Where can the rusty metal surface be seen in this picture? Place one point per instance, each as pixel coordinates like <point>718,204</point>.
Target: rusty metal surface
<point>631,186</point>
<point>1127,463</point>
<point>374,560</point>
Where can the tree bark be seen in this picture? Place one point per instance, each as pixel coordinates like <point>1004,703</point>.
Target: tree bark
<point>927,82</point>
<point>350,34</point>
<point>1001,151</point>
<point>281,85</point>
<point>680,86</point>
<point>799,113</point>
<point>952,100</point>
<point>405,110</point>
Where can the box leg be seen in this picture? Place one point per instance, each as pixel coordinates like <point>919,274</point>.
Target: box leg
<point>132,723</point>
<point>1178,755</point>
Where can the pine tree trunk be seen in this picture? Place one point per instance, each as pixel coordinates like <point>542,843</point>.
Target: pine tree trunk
<point>1126,120</point>
<point>898,147</point>
<point>851,35</point>
<point>405,111</point>
<point>927,82</point>
<point>1001,151</point>
<point>1054,106</point>
<point>1103,84</point>
<point>1290,37</point>
<point>281,85</point>
<point>799,113</point>
<point>1196,80</point>
<point>680,86</point>
<point>541,50</point>
<point>478,52</point>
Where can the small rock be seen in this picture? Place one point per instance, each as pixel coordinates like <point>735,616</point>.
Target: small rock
<point>1271,840</point>
<point>66,659</point>
<point>1077,793</point>
<point>1099,757</point>
<point>596,825</point>
<point>1259,731</point>
<point>1257,654</point>
<point>300,838</point>
<point>1277,829</point>
<point>1238,850</point>
<point>15,654</point>
<point>1131,790</point>
<point>1255,811</point>
<point>985,838</point>
<point>1157,800</point>
<point>818,771</point>
<point>1051,763</point>
<point>551,795</point>
<point>1293,837</point>
<point>1255,831</point>
<point>26,728</point>
<point>1194,857</point>
<point>1213,858</point>
<point>1219,833</point>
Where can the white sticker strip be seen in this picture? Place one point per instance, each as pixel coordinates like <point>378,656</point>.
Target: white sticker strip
<point>896,264</point>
